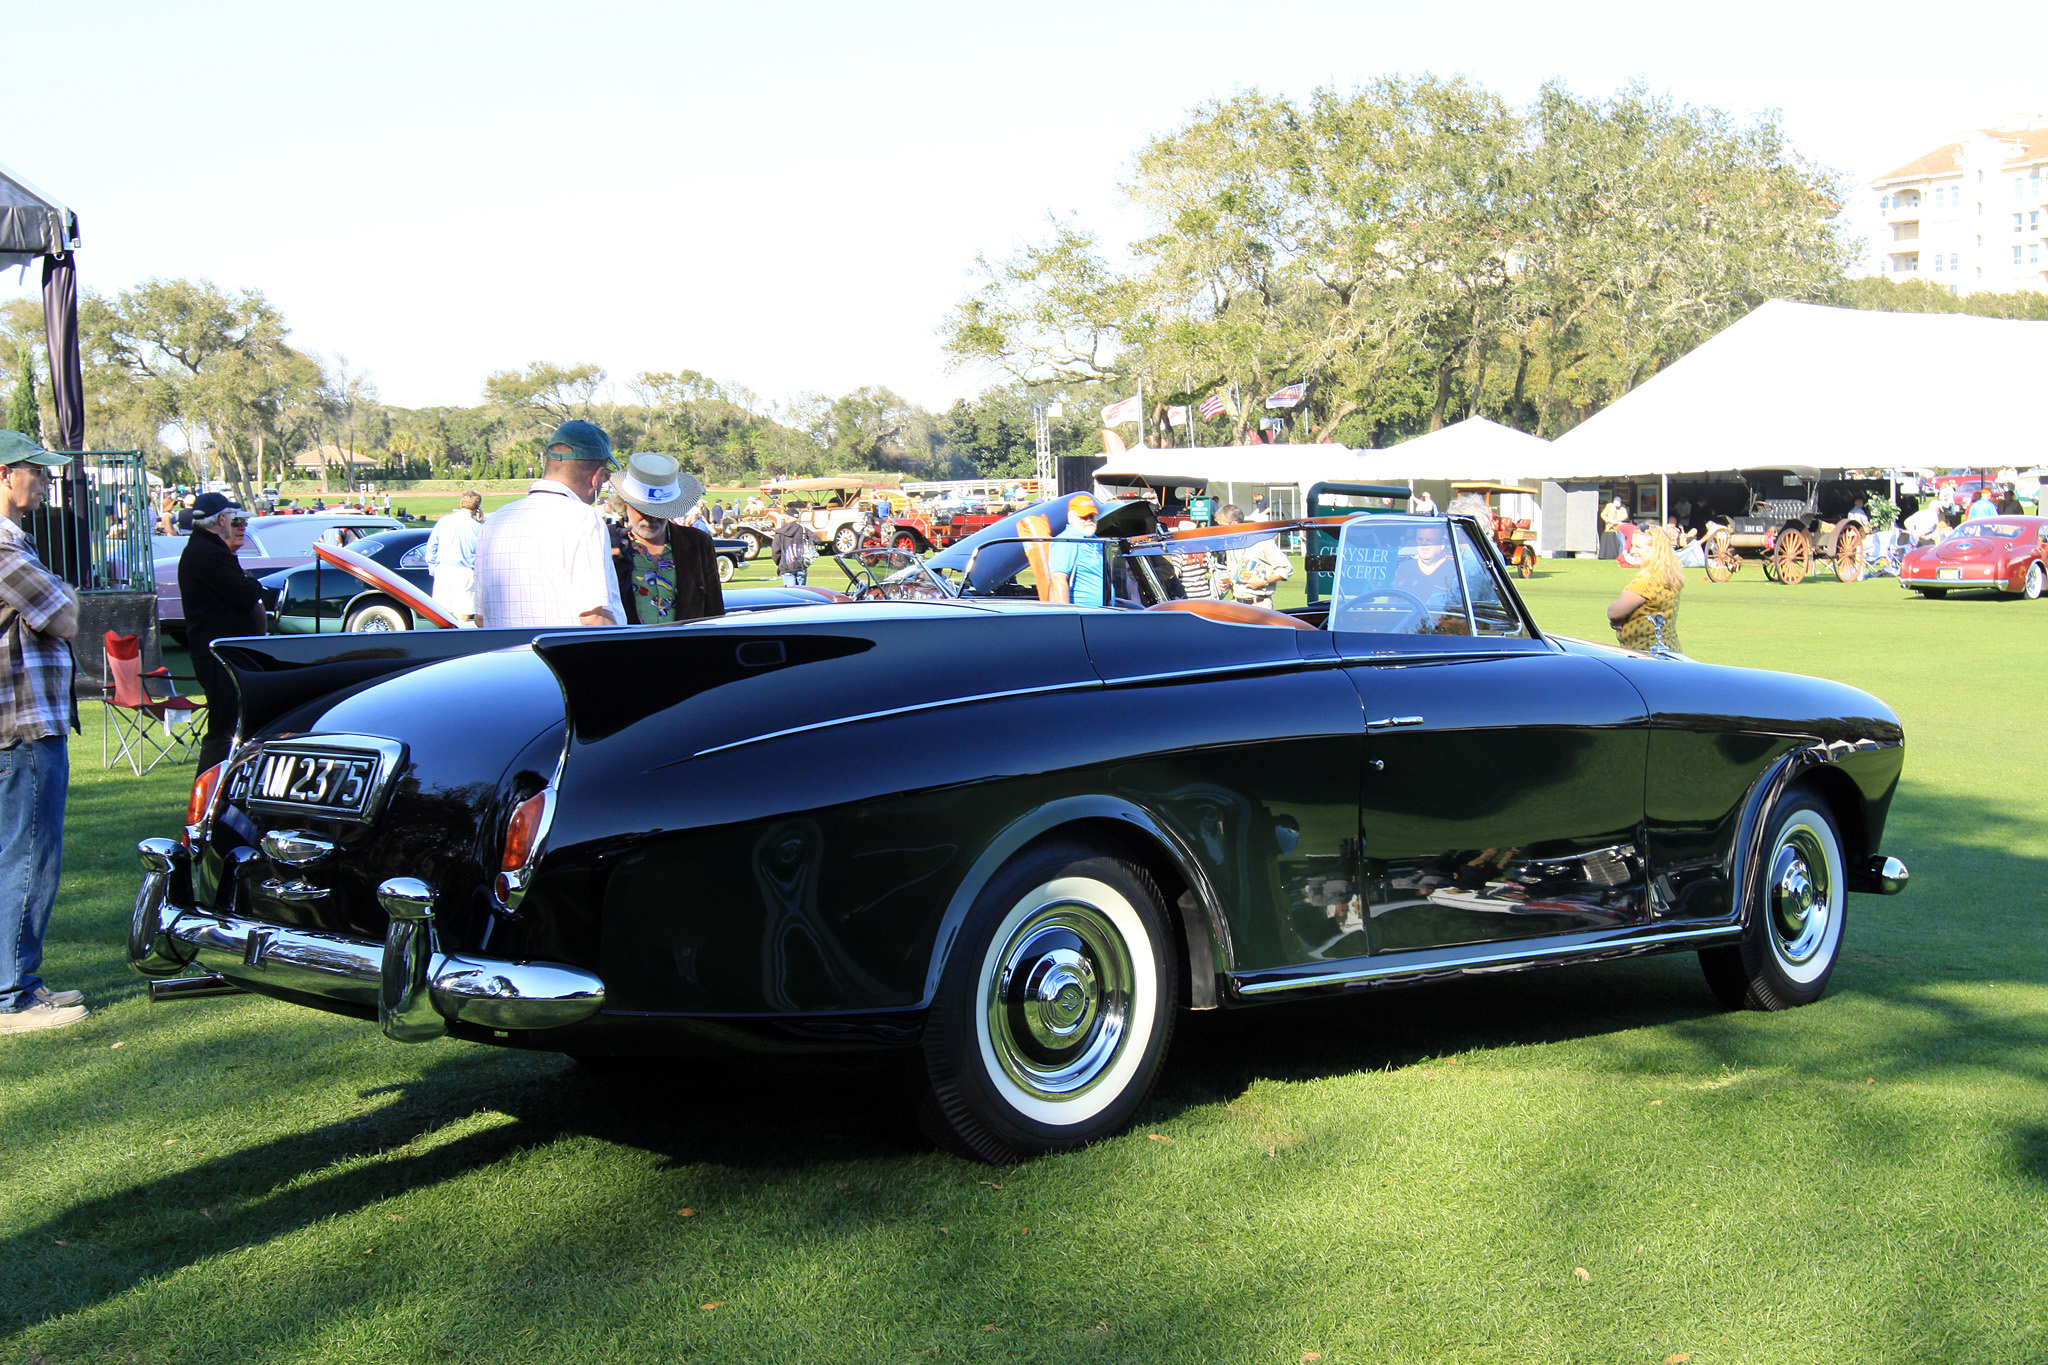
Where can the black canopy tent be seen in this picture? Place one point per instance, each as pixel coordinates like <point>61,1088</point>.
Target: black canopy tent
<point>35,227</point>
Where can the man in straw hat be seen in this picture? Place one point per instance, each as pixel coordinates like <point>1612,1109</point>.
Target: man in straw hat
<point>38,618</point>
<point>545,560</point>
<point>667,571</point>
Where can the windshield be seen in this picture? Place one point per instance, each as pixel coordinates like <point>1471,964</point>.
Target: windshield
<point>890,575</point>
<point>2000,530</point>
<point>1412,577</point>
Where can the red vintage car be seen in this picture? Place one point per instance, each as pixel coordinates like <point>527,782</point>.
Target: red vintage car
<point>2001,554</point>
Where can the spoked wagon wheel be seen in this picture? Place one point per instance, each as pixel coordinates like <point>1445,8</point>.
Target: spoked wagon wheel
<point>1795,555</point>
<point>1525,561</point>
<point>1849,553</point>
<point>1722,561</point>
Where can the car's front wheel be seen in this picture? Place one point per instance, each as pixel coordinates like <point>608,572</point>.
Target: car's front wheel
<point>724,568</point>
<point>1795,934</point>
<point>1055,1007</point>
<point>846,539</point>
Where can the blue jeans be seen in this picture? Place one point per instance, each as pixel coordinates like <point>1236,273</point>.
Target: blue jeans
<point>34,776</point>
<point>794,580</point>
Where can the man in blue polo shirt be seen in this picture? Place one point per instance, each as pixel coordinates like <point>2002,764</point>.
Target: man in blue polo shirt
<point>1076,568</point>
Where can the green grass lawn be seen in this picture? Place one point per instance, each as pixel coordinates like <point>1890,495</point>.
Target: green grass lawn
<point>1591,1164</point>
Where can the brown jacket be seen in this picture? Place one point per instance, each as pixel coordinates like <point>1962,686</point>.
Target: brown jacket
<point>697,591</point>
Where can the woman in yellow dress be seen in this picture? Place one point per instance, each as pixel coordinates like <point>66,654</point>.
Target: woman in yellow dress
<point>1652,592</point>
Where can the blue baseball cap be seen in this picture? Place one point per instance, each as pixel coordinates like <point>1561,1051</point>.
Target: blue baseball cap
<point>586,441</point>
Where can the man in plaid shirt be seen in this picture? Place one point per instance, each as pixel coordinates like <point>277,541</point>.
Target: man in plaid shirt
<point>38,617</point>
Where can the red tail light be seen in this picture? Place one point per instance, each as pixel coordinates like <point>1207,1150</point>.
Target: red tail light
<point>199,806</point>
<point>523,833</point>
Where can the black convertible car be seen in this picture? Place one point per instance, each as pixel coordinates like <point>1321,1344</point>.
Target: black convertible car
<point>1014,835</point>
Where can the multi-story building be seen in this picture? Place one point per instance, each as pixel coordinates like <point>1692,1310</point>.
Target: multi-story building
<point>1971,215</point>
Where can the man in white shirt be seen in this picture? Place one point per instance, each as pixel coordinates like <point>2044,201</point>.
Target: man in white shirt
<point>1421,503</point>
<point>545,560</point>
<point>451,555</point>
<point>1922,523</point>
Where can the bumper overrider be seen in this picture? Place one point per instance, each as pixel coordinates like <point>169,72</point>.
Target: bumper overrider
<point>415,989</point>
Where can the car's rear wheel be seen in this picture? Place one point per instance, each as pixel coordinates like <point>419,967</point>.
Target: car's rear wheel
<point>379,617</point>
<point>1936,593</point>
<point>725,568</point>
<point>846,539</point>
<point>1795,933</point>
<point>756,542</point>
<point>2036,582</point>
<point>1055,1007</point>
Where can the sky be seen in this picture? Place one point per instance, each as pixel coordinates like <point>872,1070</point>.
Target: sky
<point>790,196</point>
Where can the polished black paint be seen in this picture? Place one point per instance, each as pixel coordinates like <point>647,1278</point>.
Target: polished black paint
<point>769,827</point>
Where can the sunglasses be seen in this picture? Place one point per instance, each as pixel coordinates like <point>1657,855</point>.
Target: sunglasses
<point>239,522</point>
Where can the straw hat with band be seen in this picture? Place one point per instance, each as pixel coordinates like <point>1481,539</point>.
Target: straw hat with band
<point>656,485</point>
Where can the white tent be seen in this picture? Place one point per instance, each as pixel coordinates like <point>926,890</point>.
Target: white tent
<point>1797,384</point>
<point>1472,450</point>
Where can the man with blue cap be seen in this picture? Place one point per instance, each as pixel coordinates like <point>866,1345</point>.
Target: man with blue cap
<point>546,559</point>
<point>38,618</point>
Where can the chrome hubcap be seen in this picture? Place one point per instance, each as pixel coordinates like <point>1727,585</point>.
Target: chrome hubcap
<point>1059,1000</point>
<point>1802,901</point>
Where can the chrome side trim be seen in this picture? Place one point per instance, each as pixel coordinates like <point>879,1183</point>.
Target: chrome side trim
<point>1085,685</point>
<point>191,988</point>
<point>1439,966</point>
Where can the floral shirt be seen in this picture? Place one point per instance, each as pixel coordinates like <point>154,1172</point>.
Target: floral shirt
<point>1638,631</point>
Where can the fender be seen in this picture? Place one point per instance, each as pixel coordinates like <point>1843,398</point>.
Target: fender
<point>1775,781</point>
<point>1206,929</point>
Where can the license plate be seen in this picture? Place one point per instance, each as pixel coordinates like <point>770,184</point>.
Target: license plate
<point>1948,573</point>
<point>336,785</point>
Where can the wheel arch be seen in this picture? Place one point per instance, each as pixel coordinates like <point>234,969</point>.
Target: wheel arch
<point>1810,769</point>
<point>1118,826</point>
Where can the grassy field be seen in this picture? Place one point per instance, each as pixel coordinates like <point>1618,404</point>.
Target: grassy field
<point>1594,1164</point>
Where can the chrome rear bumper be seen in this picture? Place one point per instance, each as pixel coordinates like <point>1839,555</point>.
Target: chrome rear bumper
<point>415,989</point>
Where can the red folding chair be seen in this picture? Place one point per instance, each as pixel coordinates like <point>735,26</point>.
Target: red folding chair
<point>139,704</point>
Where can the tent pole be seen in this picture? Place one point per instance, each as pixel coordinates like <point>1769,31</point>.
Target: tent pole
<point>1664,512</point>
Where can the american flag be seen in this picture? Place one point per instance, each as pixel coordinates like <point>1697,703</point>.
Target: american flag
<point>1289,397</point>
<point>1215,405</point>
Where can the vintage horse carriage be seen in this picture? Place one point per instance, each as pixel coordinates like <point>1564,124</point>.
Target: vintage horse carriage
<point>1791,535</point>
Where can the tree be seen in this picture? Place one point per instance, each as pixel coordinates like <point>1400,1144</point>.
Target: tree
<point>1412,250</point>
<point>22,414</point>
<point>185,354</point>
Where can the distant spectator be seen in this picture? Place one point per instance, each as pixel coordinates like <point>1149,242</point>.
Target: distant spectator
<point>1422,503</point>
<point>792,547</point>
<point>2009,503</point>
<point>1650,595</point>
<point>1255,571</point>
<point>1984,506</point>
<point>221,600</point>
<point>1921,523</point>
<point>451,555</point>
<point>1611,518</point>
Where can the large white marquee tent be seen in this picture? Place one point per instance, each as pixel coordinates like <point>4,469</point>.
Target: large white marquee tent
<point>1798,384</point>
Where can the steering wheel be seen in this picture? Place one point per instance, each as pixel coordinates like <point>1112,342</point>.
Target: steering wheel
<point>1406,601</point>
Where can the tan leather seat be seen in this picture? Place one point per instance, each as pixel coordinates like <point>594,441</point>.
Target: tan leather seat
<point>1236,613</point>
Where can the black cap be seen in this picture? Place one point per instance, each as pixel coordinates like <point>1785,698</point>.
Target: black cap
<point>586,441</point>
<point>212,505</point>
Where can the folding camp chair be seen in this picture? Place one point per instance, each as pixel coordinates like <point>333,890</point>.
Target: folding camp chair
<point>139,704</point>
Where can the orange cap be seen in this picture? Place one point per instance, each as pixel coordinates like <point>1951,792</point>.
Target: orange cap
<point>1083,506</point>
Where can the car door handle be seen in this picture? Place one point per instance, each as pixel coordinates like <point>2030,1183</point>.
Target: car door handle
<point>1391,721</point>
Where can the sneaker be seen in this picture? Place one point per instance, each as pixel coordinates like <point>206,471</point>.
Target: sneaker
<point>58,998</point>
<point>41,1016</point>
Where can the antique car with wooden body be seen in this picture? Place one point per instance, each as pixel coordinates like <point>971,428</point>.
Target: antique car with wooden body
<point>1995,554</point>
<point>527,838</point>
